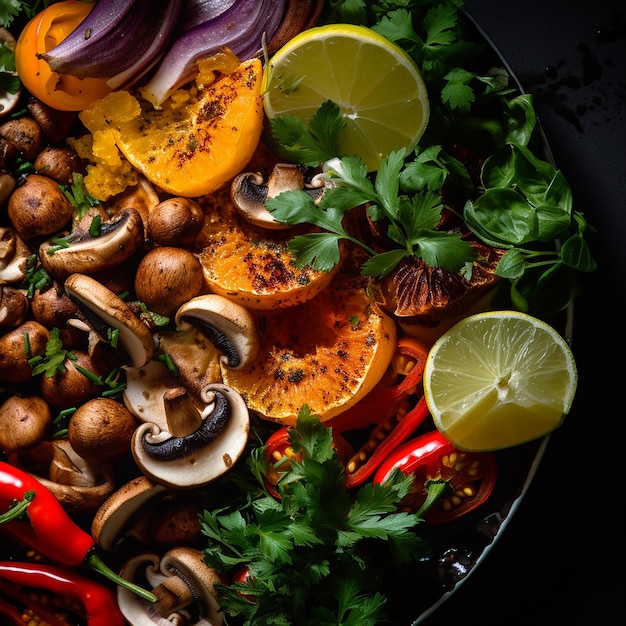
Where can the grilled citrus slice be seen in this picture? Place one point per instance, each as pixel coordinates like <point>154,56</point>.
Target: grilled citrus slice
<point>326,353</point>
<point>187,151</point>
<point>251,264</point>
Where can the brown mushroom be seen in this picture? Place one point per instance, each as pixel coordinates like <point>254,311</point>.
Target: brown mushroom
<point>38,207</point>
<point>55,124</point>
<point>17,347</point>
<point>25,134</point>
<point>51,306</point>
<point>14,306</point>
<point>14,255</point>
<point>175,222</point>
<point>101,429</point>
<point>25,422</point>
<point>90,249</point>
<point>59,163</point>
<point>180,579</point>
<point>111,318</point>
<point>79,485</point>
<point>249,191</point>
<point>71,386</point>
<point>201,442</point>
<point>167,277</point>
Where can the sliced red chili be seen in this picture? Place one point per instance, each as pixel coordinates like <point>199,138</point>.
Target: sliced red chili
<point>278,454</point>
<point>447,482</point>
<point>394,418</point>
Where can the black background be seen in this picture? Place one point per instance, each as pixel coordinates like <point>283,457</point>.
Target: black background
<point>560,560</point>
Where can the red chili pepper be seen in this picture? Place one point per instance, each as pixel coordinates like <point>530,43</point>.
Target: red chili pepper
<point>380,408</point>
<point>47,528</point>
<point>447,482</point>
<point>99,602</point>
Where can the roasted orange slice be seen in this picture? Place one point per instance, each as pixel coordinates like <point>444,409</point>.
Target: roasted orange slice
<point>326,353</point>
<point>252,264</point>
<point>186,149</point>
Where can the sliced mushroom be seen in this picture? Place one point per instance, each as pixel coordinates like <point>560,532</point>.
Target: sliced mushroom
<point>227,324</point>
<point>142,512</point>
<point>110,317</point>
<point>79,485</point>
<point>249,192</point>
<point>144,391</point>
<point>196,359</point>
<point>116,241</point>
<point>183,583</point>
<point>8,100</point>
<point>115,520</point>
<point>14,306</point>
<point>200,444</point>
<point>14,255</point>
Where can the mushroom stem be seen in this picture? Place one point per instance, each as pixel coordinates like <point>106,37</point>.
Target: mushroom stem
<point>173,594</point>
<point>183,418</point>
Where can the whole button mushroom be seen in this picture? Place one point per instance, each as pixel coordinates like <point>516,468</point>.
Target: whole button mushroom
<point>24,423</point>
<point>101,429</point>
<point>167,277</point>
<point>175,222</point>
<point>14,358</point>
<point>38,207</point>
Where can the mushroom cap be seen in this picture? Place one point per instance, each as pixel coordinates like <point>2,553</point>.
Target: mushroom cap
<point>118,512</point>
<point>196,465</point>
<point>24,422</point>
<point>96,301</point>
<point>118,240</point>
<point>227,324</point>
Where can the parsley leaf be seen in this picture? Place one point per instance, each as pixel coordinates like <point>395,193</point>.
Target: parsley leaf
<point>303,550</point>
<point>411,221</point>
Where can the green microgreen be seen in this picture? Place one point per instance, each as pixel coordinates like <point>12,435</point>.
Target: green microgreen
<point>306,550</point>
<point>81,200</point>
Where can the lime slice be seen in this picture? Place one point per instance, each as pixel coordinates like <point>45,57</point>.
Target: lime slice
<point>499,379</point>
<point>376,85</point>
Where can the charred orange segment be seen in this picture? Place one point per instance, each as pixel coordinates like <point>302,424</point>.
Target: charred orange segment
<point>327,353</point>
<point>187,150</point>
<point>251,264</point>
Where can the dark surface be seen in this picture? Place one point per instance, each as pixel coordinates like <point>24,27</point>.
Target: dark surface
<point>560,560</point>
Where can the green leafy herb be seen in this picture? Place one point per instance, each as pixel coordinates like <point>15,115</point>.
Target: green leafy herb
<point>54,359</point>
<point>12,9</point>
<point>412,221</point>
<point>307,552</point>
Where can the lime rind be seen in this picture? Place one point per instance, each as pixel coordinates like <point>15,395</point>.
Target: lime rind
<point>499,379</point>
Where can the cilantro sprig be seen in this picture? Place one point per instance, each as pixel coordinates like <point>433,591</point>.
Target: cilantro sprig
<point>307,552</point>
<point>412,221</point>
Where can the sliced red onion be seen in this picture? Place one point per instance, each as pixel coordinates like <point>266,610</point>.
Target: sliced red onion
<point>163,38</point>
<point>111,38</point>
<point>196,12</point>
<point>239,28</point>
